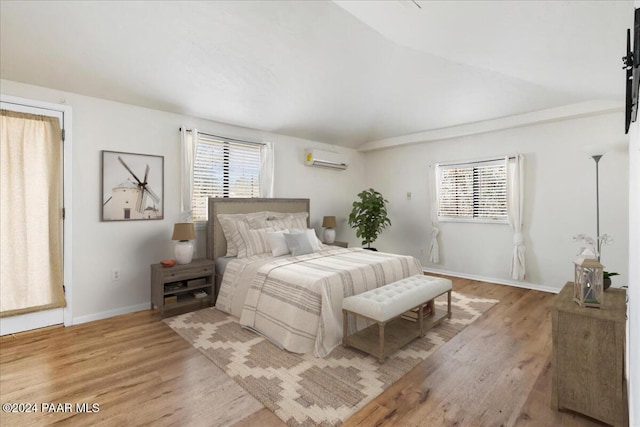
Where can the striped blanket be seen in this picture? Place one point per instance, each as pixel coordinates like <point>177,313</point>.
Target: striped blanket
<point>296,302</point>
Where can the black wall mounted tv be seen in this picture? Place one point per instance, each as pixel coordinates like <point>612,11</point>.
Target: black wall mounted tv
<point>632,78</point>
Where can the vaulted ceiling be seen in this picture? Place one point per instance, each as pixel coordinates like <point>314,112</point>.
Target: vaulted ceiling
<point>343,72</point>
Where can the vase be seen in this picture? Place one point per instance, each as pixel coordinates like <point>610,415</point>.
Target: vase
<point>329,235</point>
<point>183,251</point>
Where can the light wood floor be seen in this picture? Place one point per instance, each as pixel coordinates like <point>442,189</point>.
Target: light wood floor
<point>496,372</point>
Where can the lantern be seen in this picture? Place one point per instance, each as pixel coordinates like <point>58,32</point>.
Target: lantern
<point>588,288</point>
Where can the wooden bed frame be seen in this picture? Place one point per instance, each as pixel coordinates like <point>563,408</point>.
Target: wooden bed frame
<point>216,242</point>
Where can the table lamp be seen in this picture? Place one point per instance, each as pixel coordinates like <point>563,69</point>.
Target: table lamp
<point>184,233</point>
<point>329,224</point>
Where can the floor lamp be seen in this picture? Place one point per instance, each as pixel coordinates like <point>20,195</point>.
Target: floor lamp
<point>596,151</point>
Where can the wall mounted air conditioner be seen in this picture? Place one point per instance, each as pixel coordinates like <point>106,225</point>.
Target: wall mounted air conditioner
<point>325,159</point>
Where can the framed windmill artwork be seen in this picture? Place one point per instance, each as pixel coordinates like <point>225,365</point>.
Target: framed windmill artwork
<point>132,186</point>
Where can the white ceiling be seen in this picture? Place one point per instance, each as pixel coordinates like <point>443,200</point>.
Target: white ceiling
<point>344,72</point>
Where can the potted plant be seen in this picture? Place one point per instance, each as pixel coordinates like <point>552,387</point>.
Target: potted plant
<point>369,216</point>
<point>606,278</point>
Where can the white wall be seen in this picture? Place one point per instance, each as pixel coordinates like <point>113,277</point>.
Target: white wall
<point>132,246</point>
<point>559,201</point>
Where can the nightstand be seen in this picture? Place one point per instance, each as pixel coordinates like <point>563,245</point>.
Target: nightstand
<point>588,356</point>
<point>342,244</point>
<point>183,285</point>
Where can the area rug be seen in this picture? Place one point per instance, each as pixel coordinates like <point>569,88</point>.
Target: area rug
<point>305,390</point>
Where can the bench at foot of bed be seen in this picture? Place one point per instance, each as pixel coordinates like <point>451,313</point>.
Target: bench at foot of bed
<point>385,305</point>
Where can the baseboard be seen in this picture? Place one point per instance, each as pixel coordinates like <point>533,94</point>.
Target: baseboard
<point>517,284</point>
<point>111,313</point>
<point>30,321</point>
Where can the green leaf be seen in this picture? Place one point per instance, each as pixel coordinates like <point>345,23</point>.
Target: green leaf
<point>369,215</point>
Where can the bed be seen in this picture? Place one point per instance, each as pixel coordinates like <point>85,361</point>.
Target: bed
<point>293,300</point>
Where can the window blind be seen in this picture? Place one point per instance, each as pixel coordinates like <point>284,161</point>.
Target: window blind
<point>223,168</point>
<point>473,191</point>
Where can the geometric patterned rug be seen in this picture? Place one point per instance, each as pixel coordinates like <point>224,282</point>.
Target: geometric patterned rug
<point>300,388</point>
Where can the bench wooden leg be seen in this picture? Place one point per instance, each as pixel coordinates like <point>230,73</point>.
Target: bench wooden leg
<point>421,318</point>
<point>344,328</point>
<point>381,356</point>
<point>449,304</point>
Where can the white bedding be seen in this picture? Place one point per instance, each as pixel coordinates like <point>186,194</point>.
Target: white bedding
<point>296,302</point>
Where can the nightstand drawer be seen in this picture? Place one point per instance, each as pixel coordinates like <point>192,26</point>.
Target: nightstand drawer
<point>183,272</point>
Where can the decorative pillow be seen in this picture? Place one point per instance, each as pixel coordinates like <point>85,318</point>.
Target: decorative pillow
<point>259,221</point>
<point>236,242</point>
<point>277,242</point>
<point>229,224</point>
<point>232,223</point>
<point>254,242</point>
<point>316,244</point>
<point>296,220</point>
<point>298,243</point>
<point>277,215</point>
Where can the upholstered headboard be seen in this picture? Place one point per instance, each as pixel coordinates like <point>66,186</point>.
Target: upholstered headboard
<point>216,243</point>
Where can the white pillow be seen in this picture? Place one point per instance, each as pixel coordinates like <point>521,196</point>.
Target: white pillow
<point>298,243</point>
<point>277,242</point>
<point>316,244</point>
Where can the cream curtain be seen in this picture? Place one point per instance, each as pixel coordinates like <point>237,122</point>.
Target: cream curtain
<point>434,247</point>
<point>30,213</point>
<point>266,170</point>
<point>514,212</point>
<point>188,141</point>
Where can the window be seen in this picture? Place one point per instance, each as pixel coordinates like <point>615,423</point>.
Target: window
<point>473,191</point>
<point>223,168</point>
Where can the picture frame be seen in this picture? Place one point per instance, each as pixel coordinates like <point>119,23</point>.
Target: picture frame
<point>132,186</point>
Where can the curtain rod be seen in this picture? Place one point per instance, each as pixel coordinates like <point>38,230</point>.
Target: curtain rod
<point>224,138</point>
<point>483,160</point>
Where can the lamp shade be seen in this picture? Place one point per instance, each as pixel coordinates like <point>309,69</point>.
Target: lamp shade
<point>329,222</point>
<point>184,231</point>
<point>596,149</point>
<point>602,148</point>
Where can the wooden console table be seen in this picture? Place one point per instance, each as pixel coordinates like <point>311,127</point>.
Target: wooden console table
<point>588,356</point>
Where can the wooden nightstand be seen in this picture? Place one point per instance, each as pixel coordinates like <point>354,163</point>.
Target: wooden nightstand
<point>176,287</point>
<point>588,356</point>
<point>342,244</point>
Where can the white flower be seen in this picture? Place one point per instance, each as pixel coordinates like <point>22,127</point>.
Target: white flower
<point>591,243</point>
<point>605,239</point>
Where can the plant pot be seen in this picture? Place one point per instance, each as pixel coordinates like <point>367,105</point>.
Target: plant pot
<point>606,282</point>
<point>371,249</point>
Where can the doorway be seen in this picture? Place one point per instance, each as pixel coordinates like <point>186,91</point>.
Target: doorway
<point>52,247</point>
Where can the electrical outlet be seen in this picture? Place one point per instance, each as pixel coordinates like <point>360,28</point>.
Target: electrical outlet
<point>115,275</point>
<point>408,195</point>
